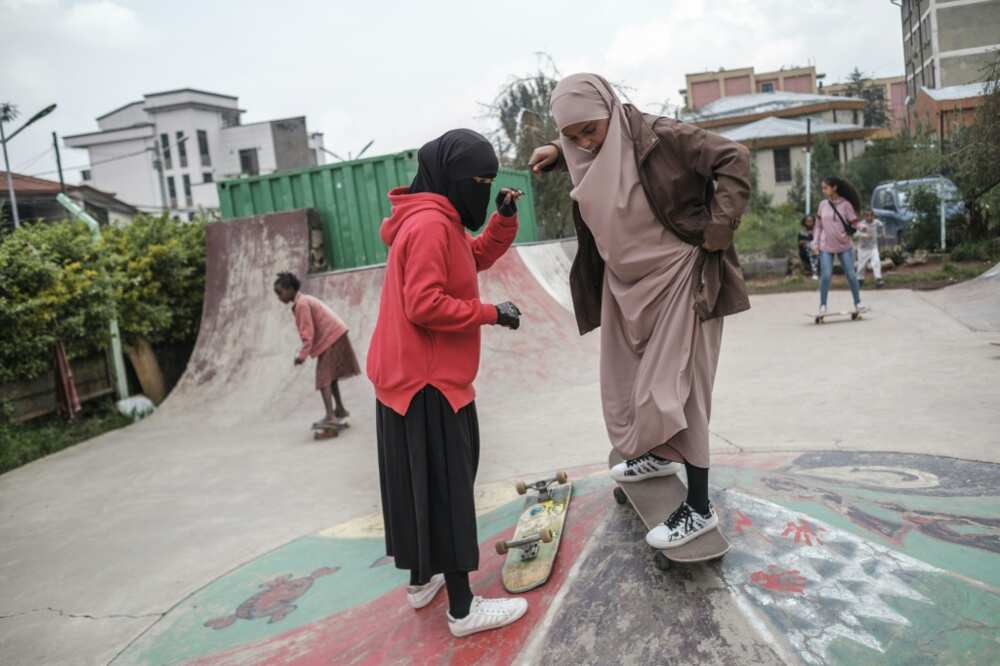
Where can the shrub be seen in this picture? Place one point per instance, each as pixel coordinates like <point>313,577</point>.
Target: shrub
<point>973,251</point>
<point>774,233</point>
<point>53,286</point>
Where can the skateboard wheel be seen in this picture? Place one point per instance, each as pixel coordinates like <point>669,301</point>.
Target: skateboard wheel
<point>545,535</point>
<point>855,316</point>
<point>501,547</point>
<point>562,477</point>
<point>620,496</point>
<point>522,487</point>
<point>818,320</point>
<point>661,561</point>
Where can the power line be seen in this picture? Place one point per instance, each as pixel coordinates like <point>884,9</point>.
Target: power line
<point>34,160</point>
<point>93,164</point>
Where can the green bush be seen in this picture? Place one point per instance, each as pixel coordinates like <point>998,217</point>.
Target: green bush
<point>158,266</point>
<point>53,286</point>
<point>973,251</point>
<point>773,232</point>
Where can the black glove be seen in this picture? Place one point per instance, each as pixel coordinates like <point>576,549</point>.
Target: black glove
<point>505,208</point>
<point>508,315</point>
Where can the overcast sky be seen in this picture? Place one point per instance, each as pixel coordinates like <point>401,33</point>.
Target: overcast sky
<point>398,72</point>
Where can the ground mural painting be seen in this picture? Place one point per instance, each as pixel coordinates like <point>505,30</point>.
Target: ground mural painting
<point>843,557</point>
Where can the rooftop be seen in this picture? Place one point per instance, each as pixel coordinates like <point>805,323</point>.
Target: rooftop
<point>952,93</point>
<point>32,186</point>
<point>744,105</point>
<point>771,128</point>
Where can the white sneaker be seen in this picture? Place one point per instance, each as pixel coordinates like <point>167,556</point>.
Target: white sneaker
<point>646,466</point>
<point>860,308</point>
<point>486,614</point>
<point>822,309</point>
<point>421,595</point>
<point>815,277</point>
<point>682,526</point>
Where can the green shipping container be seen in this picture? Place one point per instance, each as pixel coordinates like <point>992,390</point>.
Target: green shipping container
<point>351,200</point>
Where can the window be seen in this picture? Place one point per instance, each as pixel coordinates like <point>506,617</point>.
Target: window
<point>188,201</point>
<point>854,116</point>
<point>248,162</point>
<point>206,159</point>
<point>767,87</point>
<point>182,153</point>
<point>171,192</point>
<point>207,177</point>
<point>85,174</point>
<point>165,151</point>
<point>782,165</point>
<point>836,150</point>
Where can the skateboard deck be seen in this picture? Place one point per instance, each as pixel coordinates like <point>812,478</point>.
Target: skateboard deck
<point>654,500</point>
<point>531,553</point>
<point>819,318</point>
<point>329,431</point>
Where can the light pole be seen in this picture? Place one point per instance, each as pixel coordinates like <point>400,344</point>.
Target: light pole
<point>7,114</point>
<point>158,165</point>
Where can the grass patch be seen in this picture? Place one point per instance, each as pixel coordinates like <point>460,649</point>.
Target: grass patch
<point>930,276</point>
<point>20,444</point>
<point>774,233</point>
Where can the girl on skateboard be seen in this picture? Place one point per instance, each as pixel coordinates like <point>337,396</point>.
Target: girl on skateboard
<point>833,215</point>
<point>324,337</point>
<point>656,270</point>
<point>423,358</point>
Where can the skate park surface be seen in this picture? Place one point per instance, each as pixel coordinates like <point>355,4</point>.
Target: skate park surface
<point>856,470</point>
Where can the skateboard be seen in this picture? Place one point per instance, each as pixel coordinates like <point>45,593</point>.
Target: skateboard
<point>654,500</point>
<point>531,553</point>
<point>329,431</point>
<point>818,318</point>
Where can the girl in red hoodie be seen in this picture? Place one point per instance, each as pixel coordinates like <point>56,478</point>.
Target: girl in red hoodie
<point>423,358</point>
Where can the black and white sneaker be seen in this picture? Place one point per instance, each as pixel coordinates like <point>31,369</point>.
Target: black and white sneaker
<point>682,526</point>
<point>646,466</point>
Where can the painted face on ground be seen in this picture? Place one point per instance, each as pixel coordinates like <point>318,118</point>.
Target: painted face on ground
<point>588,135</point>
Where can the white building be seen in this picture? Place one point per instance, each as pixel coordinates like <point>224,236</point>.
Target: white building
<point>198,138</point>
<point>774,127</point>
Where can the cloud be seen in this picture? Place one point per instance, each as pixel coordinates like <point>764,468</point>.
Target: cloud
<point>103,23</point>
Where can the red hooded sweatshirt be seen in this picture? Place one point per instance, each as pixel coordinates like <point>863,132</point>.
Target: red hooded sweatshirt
<point>429,318</point>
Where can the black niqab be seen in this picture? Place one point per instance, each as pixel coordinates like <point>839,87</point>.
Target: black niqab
<point>447,165</point>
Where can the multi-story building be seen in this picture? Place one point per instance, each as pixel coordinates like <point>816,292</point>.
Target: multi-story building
<point>778,126</point>
<point>706,87</point>
<point>947,42</point>
<point>893,92</point>
<point>165,151</point>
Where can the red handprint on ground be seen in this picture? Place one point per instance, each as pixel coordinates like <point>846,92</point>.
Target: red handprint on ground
<point>741,521</point>
<point>803,532</point>
<point>788,582</point>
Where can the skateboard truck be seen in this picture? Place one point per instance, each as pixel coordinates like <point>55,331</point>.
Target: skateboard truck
<point>542,487</point>
<point>529,546</point>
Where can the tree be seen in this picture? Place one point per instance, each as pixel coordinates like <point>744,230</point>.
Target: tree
<point>760,201</point>
<point>824,163</point>
<point>875,112</point>
<point>523,122</point>
<point>797,192</point>
<point>973,157</point>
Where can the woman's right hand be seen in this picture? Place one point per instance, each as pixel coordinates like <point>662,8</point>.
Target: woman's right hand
<point>543,157</point>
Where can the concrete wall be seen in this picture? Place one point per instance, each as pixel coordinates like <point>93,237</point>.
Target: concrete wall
<point>189,121</point>
<point>131,179</point>
<point>764,159</point>
<point>130,115</point>
<point>799,84</point>
<point>704,92</point>
<point>738,85</point>
<point>291,144</point>
<point>968,26</point>
<point>959,70</point>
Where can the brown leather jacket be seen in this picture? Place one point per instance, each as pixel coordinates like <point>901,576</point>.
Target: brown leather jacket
<point>698,184</point>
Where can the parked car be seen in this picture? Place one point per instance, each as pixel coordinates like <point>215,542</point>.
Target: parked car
<point>891,203</point>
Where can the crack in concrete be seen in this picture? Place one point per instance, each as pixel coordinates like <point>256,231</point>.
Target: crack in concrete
<point>728,441</point>
<point>85,616</point>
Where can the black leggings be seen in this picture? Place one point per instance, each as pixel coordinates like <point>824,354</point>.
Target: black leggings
<point>697,496</point>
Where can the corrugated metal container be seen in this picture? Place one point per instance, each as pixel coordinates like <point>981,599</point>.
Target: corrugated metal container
<point>351,200</point>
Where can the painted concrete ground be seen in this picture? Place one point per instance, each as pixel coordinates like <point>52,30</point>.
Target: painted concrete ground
<point>838,558</point>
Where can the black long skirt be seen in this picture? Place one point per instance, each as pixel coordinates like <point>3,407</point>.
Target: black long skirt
<point>427,471</point>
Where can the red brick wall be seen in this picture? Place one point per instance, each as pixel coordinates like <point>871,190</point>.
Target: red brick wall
<point>704,92</point>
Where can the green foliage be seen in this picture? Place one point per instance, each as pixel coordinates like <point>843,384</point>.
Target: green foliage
<point>760,201</point>
<point>159,277</point>
<point>797,192</point>
<point>824,163</point>
<point>20,444</point>
<point>521,110</point>
<point>983,250</point>
<point>53,286</point>
<point>773,233</point>
<point>875,112</point>
<point>925,231</point>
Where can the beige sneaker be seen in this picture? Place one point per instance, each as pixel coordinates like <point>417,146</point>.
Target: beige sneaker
<point>486,614</point>
<point>421,595</point>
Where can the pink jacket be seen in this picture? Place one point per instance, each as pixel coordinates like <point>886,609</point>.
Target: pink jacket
<point>829,234</point>
<point>318,327</point>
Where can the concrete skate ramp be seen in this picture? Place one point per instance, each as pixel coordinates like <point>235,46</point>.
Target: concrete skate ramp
<point>242,367</point>
<point>975,303</point>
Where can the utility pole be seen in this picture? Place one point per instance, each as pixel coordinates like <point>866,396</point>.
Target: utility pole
<point>158,165</point>
<point>808,166</point>
<point>7,113</point>
<point>55,144</point>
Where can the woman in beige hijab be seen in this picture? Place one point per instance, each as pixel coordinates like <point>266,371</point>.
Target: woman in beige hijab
<point>656,202</point>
